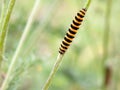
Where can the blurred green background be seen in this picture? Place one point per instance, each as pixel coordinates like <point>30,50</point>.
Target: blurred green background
<point>82,67</point>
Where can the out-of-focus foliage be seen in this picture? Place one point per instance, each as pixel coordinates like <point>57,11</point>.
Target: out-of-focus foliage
<point>81,68</point>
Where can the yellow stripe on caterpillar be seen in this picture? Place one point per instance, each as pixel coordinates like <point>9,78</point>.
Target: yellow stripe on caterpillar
<point>73,30</point>
<point>66,42</point>
<point>63,49</point>
<point>64,45</point>
<point>75,25</point>
<point>68,38</point>
<point>81,13</point>
<point>71,34</point>
<point>77,21</point>
<point>79,17</point>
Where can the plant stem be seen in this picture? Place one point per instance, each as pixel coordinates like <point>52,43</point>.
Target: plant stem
<point>54,70</point>
<point>2,14</point>
<point>4,30</point>
<point>107,30</point>
<point>18,50</point>
<point>47,18</point>
<point>106,38</point>
<point>87,4</point>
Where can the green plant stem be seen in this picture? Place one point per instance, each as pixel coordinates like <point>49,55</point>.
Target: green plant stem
<point>2,14</point>
<point>4,30</point>
<point>18,50</point>
<point>54,70</point>
<point>1,20</point>
<point>107,30</point>
<point>37,33</point>
<point>87,4</point>
<point>106,37</point>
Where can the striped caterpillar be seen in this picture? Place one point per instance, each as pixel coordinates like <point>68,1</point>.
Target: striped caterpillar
<point>72,31</point>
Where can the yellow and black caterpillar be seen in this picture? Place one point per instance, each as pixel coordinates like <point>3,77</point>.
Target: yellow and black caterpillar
<point>72,31</point>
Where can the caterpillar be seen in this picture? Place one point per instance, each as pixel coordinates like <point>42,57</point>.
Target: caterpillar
<point>70,35</point>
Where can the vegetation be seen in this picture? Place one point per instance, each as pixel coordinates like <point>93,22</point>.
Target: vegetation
<point>30,36</point>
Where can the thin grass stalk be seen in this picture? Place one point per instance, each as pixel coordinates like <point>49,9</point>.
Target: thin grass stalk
<point>2,13</point>
<point>106,40</point>
<point>1,20</point>
<point>58,61</point>
<point>87,4</point>
<point>54,70</point>
<point>4,30</point>
<point>107,31</point>
<point>37,33</point>
<point>18,50</point>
